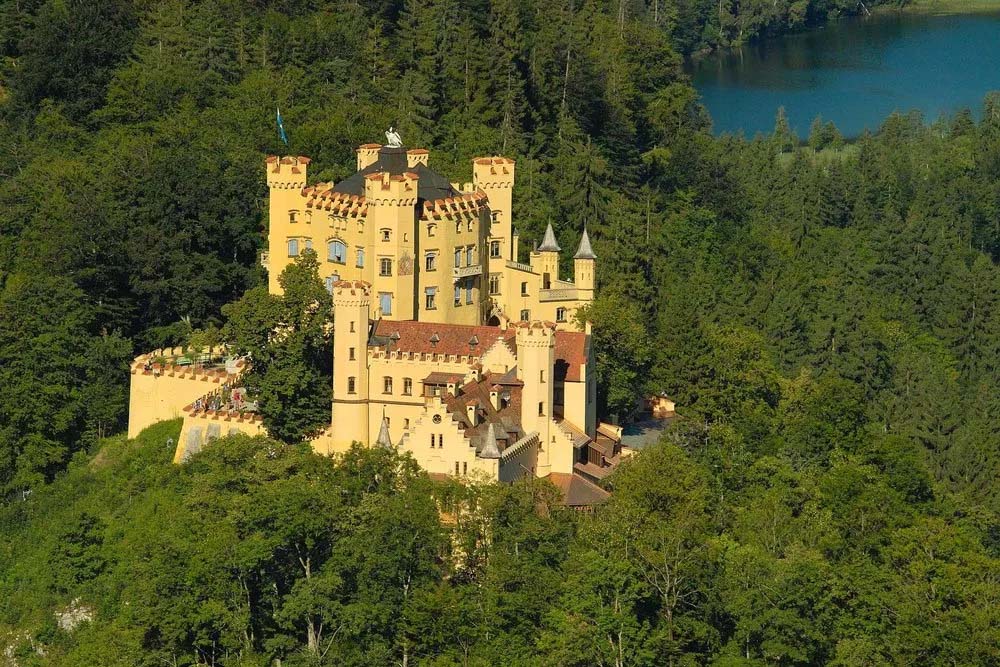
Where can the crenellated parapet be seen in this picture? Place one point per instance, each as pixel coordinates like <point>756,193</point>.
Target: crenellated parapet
<point>287,173</point>
<point>385,189</point>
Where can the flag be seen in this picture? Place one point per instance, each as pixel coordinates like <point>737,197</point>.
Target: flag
<point>281,127</point>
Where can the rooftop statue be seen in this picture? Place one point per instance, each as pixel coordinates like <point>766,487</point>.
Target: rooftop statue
<point>392,138</point>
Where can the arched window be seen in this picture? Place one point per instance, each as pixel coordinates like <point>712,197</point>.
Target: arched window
<point>293,247</point>
<point>336,251</point>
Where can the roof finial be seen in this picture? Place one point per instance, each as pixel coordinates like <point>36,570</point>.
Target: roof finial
<point>584,251</point>
<point>549,241</point>
<point>490,448</point>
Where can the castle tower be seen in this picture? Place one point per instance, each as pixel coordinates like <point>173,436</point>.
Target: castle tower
<point>495,177</point>
<point>536,343</point>
<point>584,263</point>
<point>286,177</point>
<point>545,259</point>
<point>351,303</point>
<point>392,211</point>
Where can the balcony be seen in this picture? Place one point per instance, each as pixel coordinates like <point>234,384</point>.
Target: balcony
<point>466,271</point>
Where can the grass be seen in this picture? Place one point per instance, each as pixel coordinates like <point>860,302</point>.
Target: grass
<point>944,7</point>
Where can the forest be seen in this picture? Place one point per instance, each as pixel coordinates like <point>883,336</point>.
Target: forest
<point>826,314</point>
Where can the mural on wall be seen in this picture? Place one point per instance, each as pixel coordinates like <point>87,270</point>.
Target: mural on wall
<point>406,265</point>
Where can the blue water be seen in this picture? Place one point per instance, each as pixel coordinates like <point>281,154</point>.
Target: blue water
<point>854,72</point>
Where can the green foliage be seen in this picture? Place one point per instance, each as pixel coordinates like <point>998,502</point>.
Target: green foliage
<point>288,340</point>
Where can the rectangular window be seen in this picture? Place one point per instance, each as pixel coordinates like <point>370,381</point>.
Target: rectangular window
<point>541,409</point>
<point>430,261</point>
<point>465,467</point>
<point>431,230</point>
<point>360,262</point>
<point>350,385</point>
<point>525,315</point>
<point>456,468</point>
<point>458,295</point>
<point>494,249</point>
<point>385,267</point>
<point>560,314</point>
<point>541,376</point>
<point>407,386</point>
<point>468,291</point>
<point>385,303</point>
<point>292,216</point>
<point>494,283</point>
<point>470,255</point>
<point>429,300</point>
<point>387,385</point>
<point>458,257</point>
<point>524,289</point>
<point>350,354</point>
<point>309,244</point>
<point>432,441</point>
<point>386,235</point>
<point>293,247</point>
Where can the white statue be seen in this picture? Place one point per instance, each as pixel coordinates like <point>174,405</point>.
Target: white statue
<point>393,139</point>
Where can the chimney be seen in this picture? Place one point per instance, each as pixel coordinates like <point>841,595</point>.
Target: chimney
<point>495,397</point>
<point>470,411</point>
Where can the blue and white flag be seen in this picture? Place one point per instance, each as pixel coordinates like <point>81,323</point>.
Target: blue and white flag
<point>281,127</point>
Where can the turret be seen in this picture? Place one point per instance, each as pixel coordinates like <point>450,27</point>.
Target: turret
<point>535,362</point>
<point>545,258</point>
<point>351,304</point>
<point>416,156</point>
<point>495,177</point>
<point>383,440</point>
<point>286,176</point>
<point>367,155</point>
<point>584,263</point>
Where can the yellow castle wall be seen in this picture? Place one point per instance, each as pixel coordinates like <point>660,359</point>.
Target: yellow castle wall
<point>162,392</point>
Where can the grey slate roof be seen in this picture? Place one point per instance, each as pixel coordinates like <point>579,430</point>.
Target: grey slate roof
<point>383,439</point>
<point>490,449</point>
<point>584,251</point>
<point>549,242</point>
<point>431,185</point>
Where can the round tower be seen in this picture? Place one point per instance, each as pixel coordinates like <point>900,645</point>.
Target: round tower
<point>351,305</point>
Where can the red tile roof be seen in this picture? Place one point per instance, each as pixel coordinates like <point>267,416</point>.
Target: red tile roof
<point>452,338</point>
<point>570,352</point>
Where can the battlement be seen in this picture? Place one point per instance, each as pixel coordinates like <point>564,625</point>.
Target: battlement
<point>348,293</point>
<point>385,189</point>
<point>416,156</point>
<point>288,172</point>
<point>367,154</point>
<point>536,333</point>
<point>493,172</point>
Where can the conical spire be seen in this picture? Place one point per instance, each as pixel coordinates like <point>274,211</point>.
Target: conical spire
<point>384,440</point>
<point>549,242</point>
<point>584,251</point>
<point>490,449</point>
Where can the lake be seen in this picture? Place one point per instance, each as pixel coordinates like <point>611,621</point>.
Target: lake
<point>854,72</point>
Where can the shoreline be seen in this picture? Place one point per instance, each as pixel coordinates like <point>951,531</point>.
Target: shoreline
<point>942,7</point>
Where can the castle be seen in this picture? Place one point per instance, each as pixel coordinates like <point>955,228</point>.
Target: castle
<point>444,344</point>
